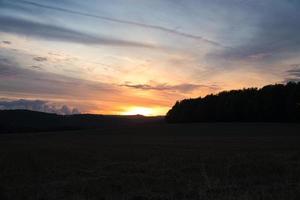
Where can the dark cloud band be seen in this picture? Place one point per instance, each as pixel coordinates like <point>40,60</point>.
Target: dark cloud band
<point>132,23</point>
<point>185,87</point>
<point>293,74</point>
<point>51,32</point>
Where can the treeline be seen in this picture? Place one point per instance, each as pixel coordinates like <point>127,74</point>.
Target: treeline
<point>272,103</point>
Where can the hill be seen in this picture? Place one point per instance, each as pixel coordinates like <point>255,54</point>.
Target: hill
<point>272,103</point>
<point>32,121</point>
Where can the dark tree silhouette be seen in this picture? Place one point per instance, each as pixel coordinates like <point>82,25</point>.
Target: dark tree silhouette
<point>272,103</point>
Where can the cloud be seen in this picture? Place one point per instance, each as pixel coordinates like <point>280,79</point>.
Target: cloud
<point>121,21</point>
<point>52,32</point>
<point>293,74</point>
<point>185,87</point>
<point>36,67</point>
<point>6,42</point>
<point>267,31</point>
<point>37,105</point>
<point>19,80</point>
<point>40,59</point>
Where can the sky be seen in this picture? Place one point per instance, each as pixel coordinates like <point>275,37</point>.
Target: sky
<point>141,56</point>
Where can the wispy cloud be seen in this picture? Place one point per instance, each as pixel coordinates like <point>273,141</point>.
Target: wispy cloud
<point>275,34</point>
<point>19,80</point>
<point>121,21</point>
<point>51,32</point>
<point>36,67</point>
<point>6,42</point>
<point>185,87</point>
<point>293,74</point>
<point>40,59</point>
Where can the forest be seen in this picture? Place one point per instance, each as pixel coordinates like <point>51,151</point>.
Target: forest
<point>271,103</point>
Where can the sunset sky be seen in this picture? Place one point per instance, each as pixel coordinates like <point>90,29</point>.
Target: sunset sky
<point>140,56</point>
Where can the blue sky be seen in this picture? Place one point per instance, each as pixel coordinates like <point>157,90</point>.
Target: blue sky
<point>120,55</point>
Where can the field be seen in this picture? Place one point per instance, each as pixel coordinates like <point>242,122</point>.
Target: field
<point>154,162</point>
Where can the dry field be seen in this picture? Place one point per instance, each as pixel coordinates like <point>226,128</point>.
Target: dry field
<point>154,162</point>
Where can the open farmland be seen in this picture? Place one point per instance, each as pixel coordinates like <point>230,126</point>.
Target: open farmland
<point>154,161</point>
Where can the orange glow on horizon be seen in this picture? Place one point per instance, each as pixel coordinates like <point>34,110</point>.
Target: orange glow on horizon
<point>145,111</point>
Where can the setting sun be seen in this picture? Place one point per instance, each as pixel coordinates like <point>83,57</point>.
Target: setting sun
<point>139,111</point>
